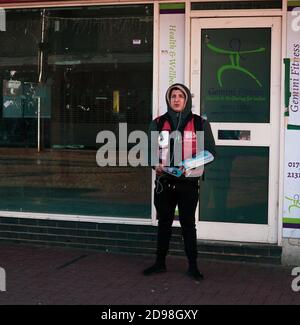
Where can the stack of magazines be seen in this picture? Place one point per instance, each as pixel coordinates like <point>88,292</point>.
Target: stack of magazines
<point>204,157</point>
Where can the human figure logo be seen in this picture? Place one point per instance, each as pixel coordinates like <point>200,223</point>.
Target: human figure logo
<point>296,282</point>
<point>295,202</point>
<point>2,20</point>
<point>2,279</point>
<point>234,58</point>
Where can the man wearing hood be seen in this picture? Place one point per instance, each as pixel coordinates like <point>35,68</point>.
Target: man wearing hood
<point>171,191</point>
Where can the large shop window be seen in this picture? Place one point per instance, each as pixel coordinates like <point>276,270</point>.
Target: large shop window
<point>67,74</point>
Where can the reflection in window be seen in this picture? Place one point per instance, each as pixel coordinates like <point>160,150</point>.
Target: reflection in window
<point>97,73</point>
<point>19,66</point>
<point>235,188</point>
<point>100,74</point>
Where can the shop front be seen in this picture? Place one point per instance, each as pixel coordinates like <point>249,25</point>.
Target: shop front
<point>68,73</point>
<point>71,69</point>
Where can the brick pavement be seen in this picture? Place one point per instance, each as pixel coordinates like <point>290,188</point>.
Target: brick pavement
<point>51,275</point>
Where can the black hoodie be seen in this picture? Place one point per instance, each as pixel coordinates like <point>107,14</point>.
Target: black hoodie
<point>179,120</point>
<point>186,113</point>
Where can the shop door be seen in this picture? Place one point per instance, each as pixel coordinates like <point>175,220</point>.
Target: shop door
<point>235,80</point>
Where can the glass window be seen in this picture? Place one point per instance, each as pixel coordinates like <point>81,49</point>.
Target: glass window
<point>235,82</point>
<point>230,5</point>
<point>18,77</point>
<point>96,73</point>
<point>235,186</point>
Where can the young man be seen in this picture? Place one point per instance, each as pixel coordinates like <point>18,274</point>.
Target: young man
<point>171,191</point>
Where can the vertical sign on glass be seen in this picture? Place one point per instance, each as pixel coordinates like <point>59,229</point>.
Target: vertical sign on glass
<point>291,208</point>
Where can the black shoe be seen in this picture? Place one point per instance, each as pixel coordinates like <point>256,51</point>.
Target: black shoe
<point>156,268</point>
<point>195,274</point>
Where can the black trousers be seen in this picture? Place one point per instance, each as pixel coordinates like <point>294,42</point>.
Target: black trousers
<point>168,194</point>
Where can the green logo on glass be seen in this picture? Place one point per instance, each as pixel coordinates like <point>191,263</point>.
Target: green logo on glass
<point>295,202</point>
<point>234,57</point>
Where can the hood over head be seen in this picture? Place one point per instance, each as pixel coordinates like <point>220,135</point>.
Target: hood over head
<point>187,109</point>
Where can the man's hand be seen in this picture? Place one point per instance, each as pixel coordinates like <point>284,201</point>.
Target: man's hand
<point>159,170</point>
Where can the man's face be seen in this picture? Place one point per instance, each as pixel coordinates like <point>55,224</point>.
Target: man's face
<point>177,100</point>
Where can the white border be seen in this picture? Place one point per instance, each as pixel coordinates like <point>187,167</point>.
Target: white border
<point>282,126</point>
<point>155,107</point>
<point>82,218</point>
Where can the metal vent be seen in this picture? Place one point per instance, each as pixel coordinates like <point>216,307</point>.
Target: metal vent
<point>230,5</point>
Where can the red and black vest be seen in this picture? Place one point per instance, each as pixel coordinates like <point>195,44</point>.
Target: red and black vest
<point>188,129</point>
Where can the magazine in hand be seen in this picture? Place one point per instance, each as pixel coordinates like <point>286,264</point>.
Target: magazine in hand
<point>204,157</point>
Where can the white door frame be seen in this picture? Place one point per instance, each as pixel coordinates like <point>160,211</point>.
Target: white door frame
<point>267,134</point>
